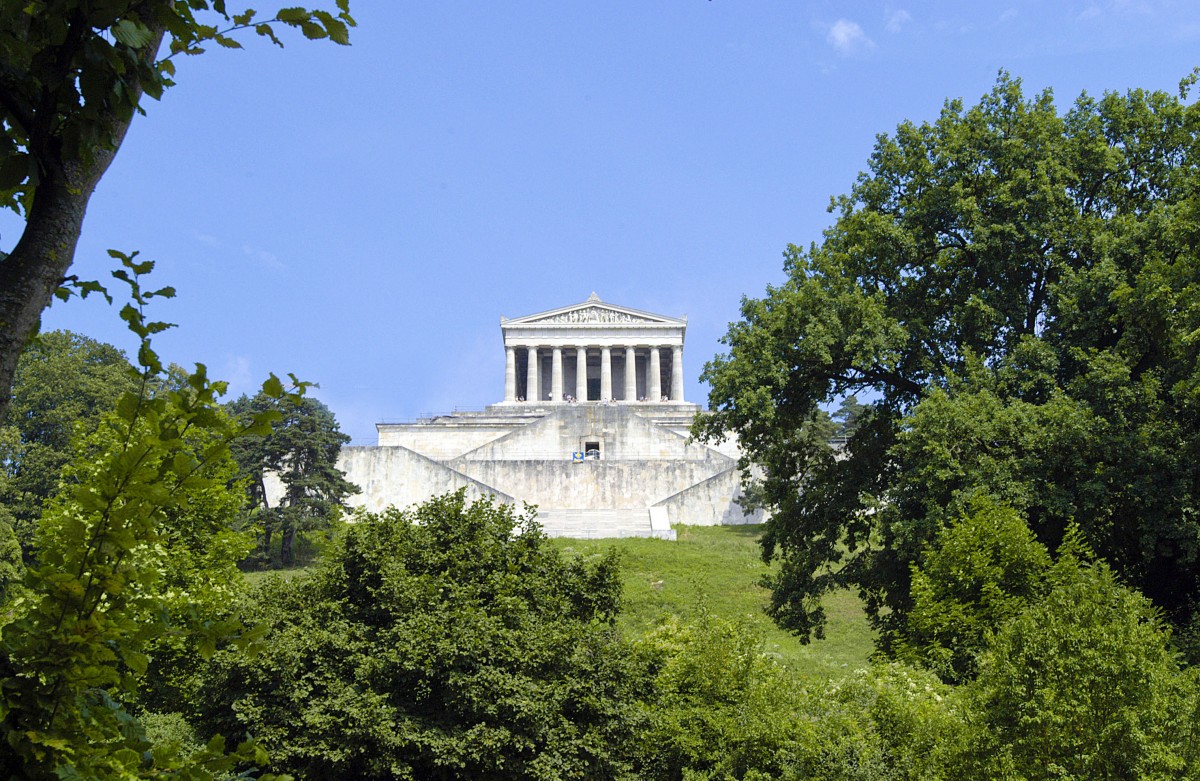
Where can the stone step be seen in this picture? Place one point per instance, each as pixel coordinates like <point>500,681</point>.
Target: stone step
<point>600,524</point>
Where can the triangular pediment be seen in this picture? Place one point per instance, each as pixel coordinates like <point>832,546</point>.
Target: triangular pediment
<point>593,311</point>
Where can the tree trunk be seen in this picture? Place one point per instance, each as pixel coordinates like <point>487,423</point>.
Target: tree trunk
<point>39,262</point>
<point>285,548</point>
<point>30,275</point>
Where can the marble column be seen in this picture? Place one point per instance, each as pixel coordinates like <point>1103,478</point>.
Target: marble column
<point>655,391</point>
<point>532,387</point>
<point>677,373</point>
<point>510,375</point>
<point>630,374</point>
<point>605,373</point>
<point>581,374</point>
<point>556,380</point>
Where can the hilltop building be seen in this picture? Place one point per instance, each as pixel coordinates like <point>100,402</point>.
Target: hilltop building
<point>593,429</point>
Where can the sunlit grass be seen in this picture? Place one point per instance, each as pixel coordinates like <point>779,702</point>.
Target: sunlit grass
<point>720,567</point>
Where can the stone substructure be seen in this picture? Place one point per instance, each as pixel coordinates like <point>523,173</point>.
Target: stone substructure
<point>611,459</point>
<point>639,473</point>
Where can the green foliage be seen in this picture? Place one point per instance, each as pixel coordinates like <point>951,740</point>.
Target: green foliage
<point>447,641</point>
<point>1084,685</point>
<point>12,568</point>
<point>127,554</point>
<point>64,384</point>
<point>75,71</point>
<point>979,573</point>
<point>301,450</point>
<point>721,709</point>
<point>1017,290</point>
<point>718,707</point>
<point>74,74</point>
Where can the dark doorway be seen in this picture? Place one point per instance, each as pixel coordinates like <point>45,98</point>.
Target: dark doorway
<point>593,390</point>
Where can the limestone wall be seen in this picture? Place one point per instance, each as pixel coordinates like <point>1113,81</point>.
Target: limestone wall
<point>440,442</point>
<point>590,484</point>
<point>398,476</point>
<point>523,453</point>
<point>712,502</point>
<point>623,435</point>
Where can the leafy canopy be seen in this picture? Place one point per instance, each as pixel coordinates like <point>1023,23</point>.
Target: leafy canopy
<point>1017,290</point>
<point>451,640</point>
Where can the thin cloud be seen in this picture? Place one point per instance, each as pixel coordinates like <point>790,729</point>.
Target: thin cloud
<point>261,256</point>
<point>848,38</point>
<point>897,19</point>
<point>237,371</point>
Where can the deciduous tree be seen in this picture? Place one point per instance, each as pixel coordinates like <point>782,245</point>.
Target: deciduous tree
<point>447,641</point>
<point>1019,291</point>
<point>64,385</point>
<point>72,76</point>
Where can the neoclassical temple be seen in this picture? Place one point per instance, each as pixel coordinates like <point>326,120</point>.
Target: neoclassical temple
<point>593,351</point>
<point>593,430</point>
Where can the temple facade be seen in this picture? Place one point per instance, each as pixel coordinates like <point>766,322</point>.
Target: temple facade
<point>593,351</point>
<point>593,429</point>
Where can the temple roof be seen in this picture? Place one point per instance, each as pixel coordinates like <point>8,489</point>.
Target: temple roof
<point>594,311</point>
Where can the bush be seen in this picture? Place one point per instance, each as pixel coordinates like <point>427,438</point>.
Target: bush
<point>447,641</point>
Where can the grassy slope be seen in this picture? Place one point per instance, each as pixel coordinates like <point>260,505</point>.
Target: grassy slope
<point>720,565</point>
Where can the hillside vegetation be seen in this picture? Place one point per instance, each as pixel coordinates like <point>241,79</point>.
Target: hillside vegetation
<point>718,569</point>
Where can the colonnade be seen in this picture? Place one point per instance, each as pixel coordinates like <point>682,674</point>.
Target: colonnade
<point>651,384</point>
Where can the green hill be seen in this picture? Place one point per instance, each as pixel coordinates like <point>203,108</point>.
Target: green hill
<point>720,566</point>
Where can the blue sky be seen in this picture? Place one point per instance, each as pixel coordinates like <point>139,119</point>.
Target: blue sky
<point>362,216</point>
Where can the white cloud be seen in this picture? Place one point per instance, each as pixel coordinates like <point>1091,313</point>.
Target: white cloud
<point>847,37</point>
<point>1010,13</point>
<point>268,259</point>
<point>897,19</point>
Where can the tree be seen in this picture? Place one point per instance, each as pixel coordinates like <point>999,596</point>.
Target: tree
<point>849,415</point>
<point>65,384</point>
<point>130,553</point>
<point>1016,288</point>
<point>447,641</point>
<point>72,77</point>
<point>302,452</point>
<point>1084,684</point>
<point>980,572</point>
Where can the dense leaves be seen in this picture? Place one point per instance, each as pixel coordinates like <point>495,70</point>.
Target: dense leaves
<point>978,573</point>
<point>449,641</point>
<point>299,453</point>
<point>1016,291</point>
<point>65,383</point>
<point>135,549</point>
<point>1084,684</point>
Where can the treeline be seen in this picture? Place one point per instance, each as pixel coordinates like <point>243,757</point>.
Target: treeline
<point>67,384</point>
<point>453,641</point>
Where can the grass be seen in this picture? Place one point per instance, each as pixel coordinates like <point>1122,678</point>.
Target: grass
<point>720,566</point>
